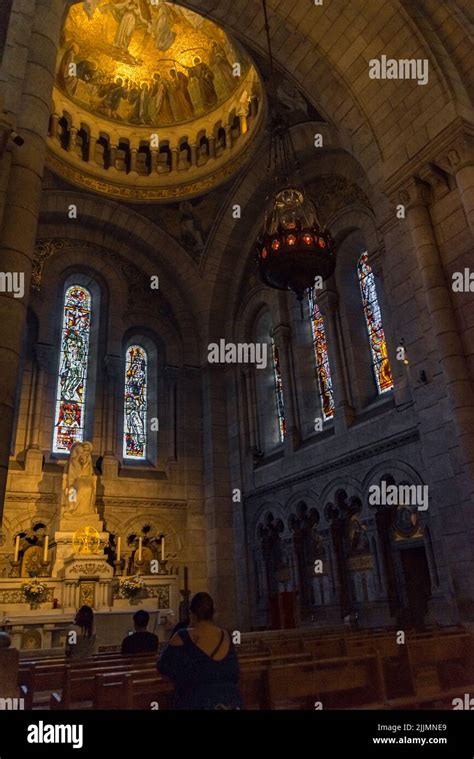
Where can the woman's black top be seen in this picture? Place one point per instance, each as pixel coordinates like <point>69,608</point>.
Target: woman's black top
<point>202,682</point>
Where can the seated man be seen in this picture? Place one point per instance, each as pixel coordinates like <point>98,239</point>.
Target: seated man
<point>141,641</point>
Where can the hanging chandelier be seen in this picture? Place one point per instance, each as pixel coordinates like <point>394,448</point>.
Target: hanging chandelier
<point>292,248</point>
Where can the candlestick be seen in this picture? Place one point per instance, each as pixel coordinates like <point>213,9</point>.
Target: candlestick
<point>17,547</point>
<point>163,548</point>
<point>140,541</point>
<point>45,552</point>
<point>119,545</point>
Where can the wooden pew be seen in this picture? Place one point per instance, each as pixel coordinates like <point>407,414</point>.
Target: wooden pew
<point>325,648</point>
<point>41,679</point>
<point>337,683</point>
<point>79,685</point>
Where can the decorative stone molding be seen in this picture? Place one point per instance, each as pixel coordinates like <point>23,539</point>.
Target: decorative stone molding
<point>362,454</point>
<point>135,503</point>
<point>415,193</point>
<point>457,134</point>
<point>17,597</point>
<point>139,291</point>
<point>86,568</point>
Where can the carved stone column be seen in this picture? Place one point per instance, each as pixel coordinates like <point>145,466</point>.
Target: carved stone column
<point>53,125</point>
<point>416,198</point>
<point>212,147</point>
<point>282,337</point>
<point>328,302</point>
<point>133,160</point>
<point>23,191</point>
<point>91,151</point>
<point>174,159</point>
<point>44,355</point>
<point>153,160</point>
<point>113,367</point>
<point>172,379</point>
<point>112,157</point>
<point>250,407</point>
<point>194,154</point>
<point>71,143</point>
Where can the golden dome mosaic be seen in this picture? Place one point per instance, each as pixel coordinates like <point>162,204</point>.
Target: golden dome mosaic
<point>149,75</point>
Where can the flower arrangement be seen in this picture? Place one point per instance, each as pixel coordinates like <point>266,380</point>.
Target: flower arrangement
<point>34,591</point>
<point>130,587</point>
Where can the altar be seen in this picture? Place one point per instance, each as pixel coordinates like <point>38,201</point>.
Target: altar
<point>49,583</point>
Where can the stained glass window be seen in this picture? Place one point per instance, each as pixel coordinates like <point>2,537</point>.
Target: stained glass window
<point>278,391</point>
<point>72,381</point>
<point>373,318</point>
<point>323,371</point>
<point>135,403</point>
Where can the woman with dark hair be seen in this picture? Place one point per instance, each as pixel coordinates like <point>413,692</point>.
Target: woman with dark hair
<point>202,662</point>
<point>80,641</point>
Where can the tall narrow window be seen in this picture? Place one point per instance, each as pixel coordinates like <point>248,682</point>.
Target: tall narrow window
<point>135,403</point>
<point>323,371</point>
<point>72,380</point>
<point>373,318</point>
<point>280,406</point>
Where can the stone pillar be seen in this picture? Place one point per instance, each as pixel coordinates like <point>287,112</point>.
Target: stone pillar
<point>174,159</point>
<point>53,125</point>
<point>282,337</point>
<point>248,375</point>
<point>34,456</point>
<point>91,152</point>
<point>194,154</point>
<point>133,160</point>
<point>218,495</point>
<point>71,143</point>
<point>416,199</point>
<point>244,127</point>
<point>113,366</point>
<point>328,302</point>
<point>22,207</point>
<point>212,147</point>
<point>153,160</point>
<point>228,137</point>
<point>172,377</point>
<point>112,157</point>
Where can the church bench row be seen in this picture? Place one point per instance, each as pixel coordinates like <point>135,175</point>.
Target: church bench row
<point>41,678</point>
<point>451,655</point>
<point>345,682</point>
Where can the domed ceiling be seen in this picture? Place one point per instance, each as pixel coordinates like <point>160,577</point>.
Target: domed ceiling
<point>126,68</point>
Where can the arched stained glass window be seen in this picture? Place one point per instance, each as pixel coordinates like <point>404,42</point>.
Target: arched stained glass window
<point>72,381</point>
<point>373,318</point>
<point>323,371</point>
<point>135,403</point>
<point>280,405</point>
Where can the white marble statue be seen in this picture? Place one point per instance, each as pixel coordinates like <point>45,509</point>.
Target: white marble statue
<point>79,493</point>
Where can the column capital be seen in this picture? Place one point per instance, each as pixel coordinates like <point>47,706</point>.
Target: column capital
<point>44,355</point>
<point>460,153</point>
<point>415,192</point>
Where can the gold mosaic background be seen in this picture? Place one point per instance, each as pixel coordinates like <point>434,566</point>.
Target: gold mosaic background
<point>141,63</point>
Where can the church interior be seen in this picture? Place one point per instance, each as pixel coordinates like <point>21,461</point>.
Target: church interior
<point>237,345</point>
